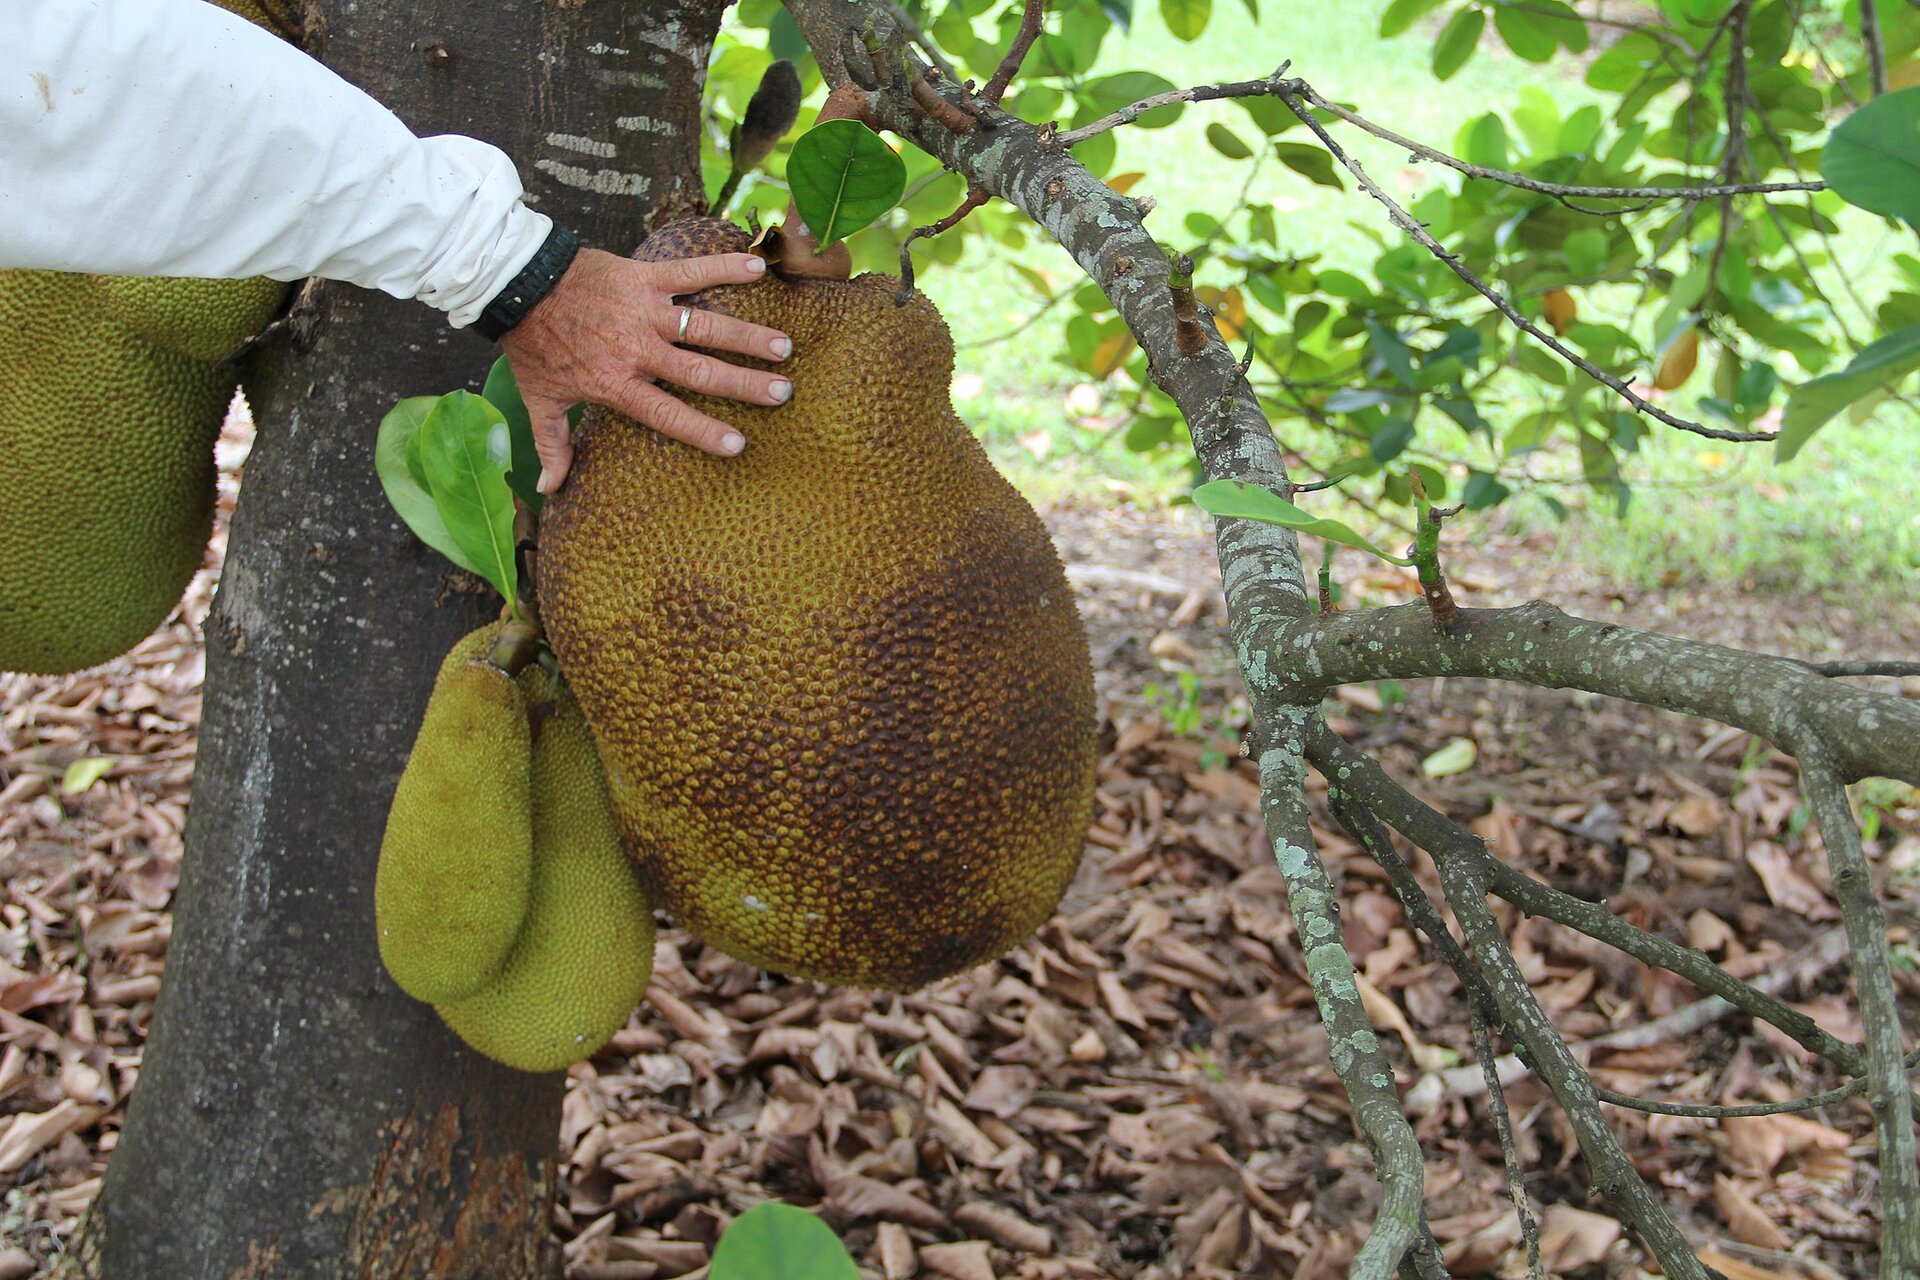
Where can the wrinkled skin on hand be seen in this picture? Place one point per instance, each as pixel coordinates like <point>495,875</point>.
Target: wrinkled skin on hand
<point>608,334</point>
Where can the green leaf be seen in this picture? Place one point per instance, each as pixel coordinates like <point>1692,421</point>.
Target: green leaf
<point>465,448</point>
<point>1239,500</point>
<point>84,772</point>
<point>1484,490</point>
<point>843,178</point>
<point>1105,95</point>
<point>1313,163</point>
<point>1457,42</point>
<point>1526,34</point>
<point>1873,158</point>
<point>1815,401</point>
<point>1402,14</point>
<point>1186,19</point>
<point>1456,757</point>
<point>406,490</point>
<point>780,1242</point>
<point>1391,349</point>
<point>502,391</point>
<point>1227,143</point>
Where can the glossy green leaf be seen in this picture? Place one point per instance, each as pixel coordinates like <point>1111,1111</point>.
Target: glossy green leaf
<point>774,1241</point>
<point>1815,402</point>
<point>1186,19</point>
<point>406,490</point>
<point>465,447</point>
<point>1238,500</point>
<point>502,391</point>
<point>1457,42</point>
<point>1228,143</point>
<point>843,178</point>
<point>1873,158</point>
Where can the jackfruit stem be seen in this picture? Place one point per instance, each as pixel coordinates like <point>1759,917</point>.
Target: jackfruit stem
<point>518,645</point>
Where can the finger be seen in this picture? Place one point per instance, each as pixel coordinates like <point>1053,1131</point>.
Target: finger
<point>716,332</point>
<point>690,275</point>
<point>553,442</point>
<point>709,376</point>
<point>679,420</point>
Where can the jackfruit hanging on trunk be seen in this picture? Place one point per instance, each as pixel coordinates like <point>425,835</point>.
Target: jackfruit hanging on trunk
<point>839,684</point>
<point>112,392</point>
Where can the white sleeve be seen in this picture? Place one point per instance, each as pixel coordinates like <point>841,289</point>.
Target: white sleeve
<point>170,137</point>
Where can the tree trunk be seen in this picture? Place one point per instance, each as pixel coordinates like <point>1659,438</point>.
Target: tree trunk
<point>296,1115</point>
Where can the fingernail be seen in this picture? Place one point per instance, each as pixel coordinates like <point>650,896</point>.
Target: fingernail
<point>782,390</point>
<point>756,265</point>
<point>732,442</point>
<point>547,482</point>
<point>782,348</point>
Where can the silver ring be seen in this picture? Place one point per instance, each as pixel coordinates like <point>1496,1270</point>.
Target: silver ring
<point>686,318</point>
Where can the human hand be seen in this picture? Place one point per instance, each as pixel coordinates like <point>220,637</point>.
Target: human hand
<point>606,334</point>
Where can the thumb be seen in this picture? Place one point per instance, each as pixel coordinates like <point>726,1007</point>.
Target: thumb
<point>552,441</point>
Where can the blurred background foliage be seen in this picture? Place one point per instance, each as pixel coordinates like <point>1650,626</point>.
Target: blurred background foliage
<point>1374,360</point>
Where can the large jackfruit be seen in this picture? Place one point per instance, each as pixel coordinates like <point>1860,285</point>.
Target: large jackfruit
<point>106,475</point>
<point>203,319</point>
<point>110,402</point>
<point>839,683</point>
<point>585,950</point>
<point>456,864</point>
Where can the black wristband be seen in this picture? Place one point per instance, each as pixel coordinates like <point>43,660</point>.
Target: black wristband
<point>534,282</point>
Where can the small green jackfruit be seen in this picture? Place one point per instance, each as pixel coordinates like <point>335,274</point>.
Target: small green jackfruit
<point>839,682</point>
<point>106,475</point>
<point>200,319</point>
<point>456,864</point>
<point>585,953</point>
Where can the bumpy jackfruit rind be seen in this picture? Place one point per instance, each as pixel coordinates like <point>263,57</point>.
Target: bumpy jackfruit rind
<point>106,475</point>
<point>837,750</point>
<point>201,319</point>
<point>456,864</point>
<point>585,953</point>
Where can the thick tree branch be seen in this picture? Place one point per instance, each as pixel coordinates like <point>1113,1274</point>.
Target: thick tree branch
<point>1879,1014</point>
<point>1869,733</point>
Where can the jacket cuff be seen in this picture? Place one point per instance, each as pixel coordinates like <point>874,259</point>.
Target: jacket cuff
<point>534,282</point>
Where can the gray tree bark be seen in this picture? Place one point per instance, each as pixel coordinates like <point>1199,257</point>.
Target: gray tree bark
<point>296,1115</point>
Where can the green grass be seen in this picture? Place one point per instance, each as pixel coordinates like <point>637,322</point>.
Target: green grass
<point>1835,520</point>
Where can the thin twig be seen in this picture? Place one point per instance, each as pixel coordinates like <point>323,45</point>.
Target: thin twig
<point>974,198</point>
<point>1736,111</point>
<point>1875,51</point>
<point>1030,20</point>
<point>1503,1127</point>
<point>1407,223</point>
<point>1277,85</point>
<point>1879,1012</point>
<point>1556,189</point>
<point>1812,1102</point>
<point>913,31</point>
